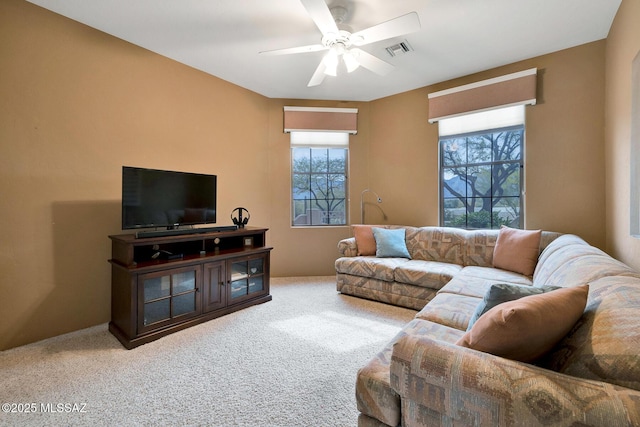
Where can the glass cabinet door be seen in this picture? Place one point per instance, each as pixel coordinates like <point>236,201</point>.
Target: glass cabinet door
<point>165,296</point>
<point>247,278</point>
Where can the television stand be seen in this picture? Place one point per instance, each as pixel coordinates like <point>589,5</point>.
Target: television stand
<point>183,231</point>
<point>219,272</point>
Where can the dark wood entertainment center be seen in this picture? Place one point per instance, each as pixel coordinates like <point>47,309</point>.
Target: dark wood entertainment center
<point>160,285</point>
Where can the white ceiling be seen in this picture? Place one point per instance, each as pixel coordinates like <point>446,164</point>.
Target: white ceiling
<point>458,37</point>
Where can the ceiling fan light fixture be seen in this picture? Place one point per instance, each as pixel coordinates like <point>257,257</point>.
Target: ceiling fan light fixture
<point>331,63</point>
<point>350,61</point>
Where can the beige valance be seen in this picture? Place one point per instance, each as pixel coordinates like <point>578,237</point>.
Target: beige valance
<point>319,119</point>
<point>512,89</point>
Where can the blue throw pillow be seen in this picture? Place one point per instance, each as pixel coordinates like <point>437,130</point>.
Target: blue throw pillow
<point>390,243</point>
<point>503,292</point>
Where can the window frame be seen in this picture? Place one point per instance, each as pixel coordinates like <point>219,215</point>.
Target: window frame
<point>345,176</point>
<point>442,167</point>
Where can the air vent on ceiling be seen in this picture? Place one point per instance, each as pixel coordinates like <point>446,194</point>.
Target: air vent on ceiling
<point>399,48</point>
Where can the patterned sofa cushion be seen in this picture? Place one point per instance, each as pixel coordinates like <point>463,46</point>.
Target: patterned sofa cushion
<point>475,281</point>
<point>450,310</point>
<point>378,268</point>
<point>605,344</point>
<point>429,274</point>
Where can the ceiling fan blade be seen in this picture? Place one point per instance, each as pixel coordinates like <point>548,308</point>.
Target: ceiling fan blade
<point>319,12</point>
<point>399,26</point>
<point>299,49</point>
<point>372,63</point>
<point>318,75</point>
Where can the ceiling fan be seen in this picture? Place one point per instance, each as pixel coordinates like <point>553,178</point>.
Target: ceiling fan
<point>341,43</point>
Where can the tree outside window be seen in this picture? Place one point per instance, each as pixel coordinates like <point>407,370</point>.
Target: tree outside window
<point>481,179</point>
<point>319,186</point>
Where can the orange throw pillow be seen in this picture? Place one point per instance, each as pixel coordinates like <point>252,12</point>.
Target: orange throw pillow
<point>517,250</point>
<point>527,328</point>
<point>365,241</point>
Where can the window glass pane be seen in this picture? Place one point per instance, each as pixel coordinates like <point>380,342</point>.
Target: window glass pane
<point>337,161</point>
<point>454,183</point>
<point>508,145</point>
<point>338,186</point>
<point>454,151</point>
<point>479,180</point>
<point>507,211</point>
<point>300,210</point>
<point>479,149</point>
<point>319,185</point>
<point>319,159</point>
<point>301,160</point>
<point>455,213</point>
<point>481,215</point>
<point>301,186</point>
<point>507,179</point>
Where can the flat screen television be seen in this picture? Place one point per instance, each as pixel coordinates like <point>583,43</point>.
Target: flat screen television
<point>160,198</point>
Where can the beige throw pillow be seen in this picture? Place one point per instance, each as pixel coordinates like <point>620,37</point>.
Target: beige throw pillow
<point>517,250</point>
<point>527,328</point>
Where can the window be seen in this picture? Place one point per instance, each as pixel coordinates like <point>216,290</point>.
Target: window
<point>481,170</point>
<point>319,165</point>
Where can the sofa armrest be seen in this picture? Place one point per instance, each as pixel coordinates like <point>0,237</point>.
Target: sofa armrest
<point>440,383</point>
<point>348,247</point>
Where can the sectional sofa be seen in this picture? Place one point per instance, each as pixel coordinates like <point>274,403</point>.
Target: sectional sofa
<point>513,328</point>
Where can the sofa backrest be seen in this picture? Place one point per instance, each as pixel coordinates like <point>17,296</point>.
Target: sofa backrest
<point>458,246</point>
<point>570,261</point>
<point>452,245</point>
<point>605,343</point>
<point>436,244</point>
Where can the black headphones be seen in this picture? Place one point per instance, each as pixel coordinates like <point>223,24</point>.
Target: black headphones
<point>239,220</point>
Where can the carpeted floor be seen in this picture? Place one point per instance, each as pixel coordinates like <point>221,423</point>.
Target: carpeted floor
<point>289,362</point>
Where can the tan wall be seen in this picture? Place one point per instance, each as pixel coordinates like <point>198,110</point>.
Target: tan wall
<point>564,147</point>
<point>403,159</point>
<point>77,104</point>
<point>623,44</point>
